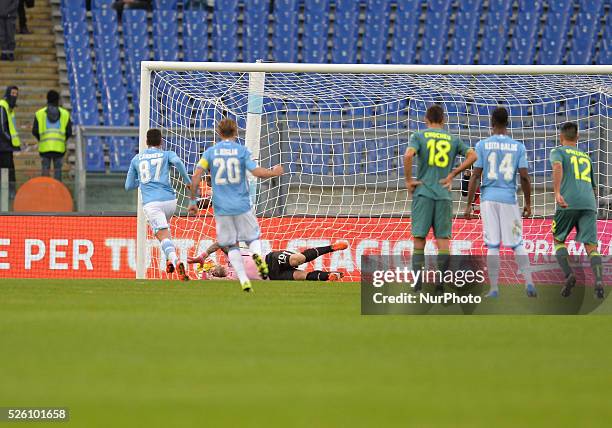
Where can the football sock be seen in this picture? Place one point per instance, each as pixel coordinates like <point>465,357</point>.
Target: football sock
<point>563,259</point>
<point>443,260</point>
<point>317,275</point>
<point>235,259</point>
<point>169,250</point>
<point>595,258</point>
<point>522,260</point>
<point>418,260</point>
<point>255,246</point>
<point>313,253</point>
<point>493,267</point>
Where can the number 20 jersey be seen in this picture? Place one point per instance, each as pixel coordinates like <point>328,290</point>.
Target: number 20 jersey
<point>228,162</point>
<point>500,157</point>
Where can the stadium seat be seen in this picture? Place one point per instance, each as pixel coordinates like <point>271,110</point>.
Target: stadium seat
<point>165,4</point>
<point>354,157</point>
<point>137,49</point>
<point>195,36</point>
<point>165,35</point>
<point>524,38</point>
<point>255,38</point>
<point>463,48</point>
<point>585,30</point>
<point>404,43</point>
<point>434,40</point>
<point>493,49</point>
<point>94,155</point>
<point>375,34</point>
<point>346,27</point>
<point>101,4</point>
<point>225,31</point>
<point>316,28</point>
<point>284,46</point>
<point>121,151</point>
<point>554,35</point>
<point>379,157</point>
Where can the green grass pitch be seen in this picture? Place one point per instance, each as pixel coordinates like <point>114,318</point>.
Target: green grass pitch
<point>139,354</point>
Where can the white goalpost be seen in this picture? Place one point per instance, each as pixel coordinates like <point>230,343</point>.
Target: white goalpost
<point>340,131</point>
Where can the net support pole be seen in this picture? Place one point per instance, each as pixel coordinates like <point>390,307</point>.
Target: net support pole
<point>141,225</point>
<point>253,123</point>
<point>4,189</point>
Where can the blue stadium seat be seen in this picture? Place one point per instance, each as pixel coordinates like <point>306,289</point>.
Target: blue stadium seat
<point>355,156</point>
<point>555,34</point>
<point>165,4</point>
<point>94,155</point>
<point>434,40</point>
<point>463,47</point>
<point>403,49</point>
<point>338,162</point>
<point>136,46</point>
<point>493,49</point>
<point>165,35</point>
<point>255,38</point>
<point>577,107</point>
<point>101,4</point>
<point>605,50</point>
<point>73,12</point>
<point>346,28</point>
<point>121,151</point>
<point>379,157</point>
<point>583,43</point>
<point>375,34</point>
<point>284,46</point>
<point>316,28</point>
<point>195,36</point>
<point>225,31</point>
<point>524,39</point>
<point>294,162</point>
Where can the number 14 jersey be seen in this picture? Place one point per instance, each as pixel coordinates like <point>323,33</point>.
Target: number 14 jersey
<point>436,150</point>
<point>500,157</point>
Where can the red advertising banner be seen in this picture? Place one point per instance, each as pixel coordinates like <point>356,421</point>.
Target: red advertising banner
<point>105,247</point>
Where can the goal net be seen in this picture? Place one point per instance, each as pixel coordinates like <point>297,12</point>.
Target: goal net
<point>341,132</point>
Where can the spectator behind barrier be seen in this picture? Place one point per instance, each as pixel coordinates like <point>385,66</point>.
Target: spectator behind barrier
<point>52,127</point>
<point>9,139</point>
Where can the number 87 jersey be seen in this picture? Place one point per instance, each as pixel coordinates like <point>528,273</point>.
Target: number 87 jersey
<point>500,157</point>
<point>228,162</point>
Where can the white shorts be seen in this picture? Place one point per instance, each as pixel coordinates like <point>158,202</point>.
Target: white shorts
<point>159,213</point>
<point>237,228</point>
<point>501,223</point>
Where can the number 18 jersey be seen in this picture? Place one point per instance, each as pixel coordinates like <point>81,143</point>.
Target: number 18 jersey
<point>228,162</point>
<point>436,150</point>
<point>500,157</point>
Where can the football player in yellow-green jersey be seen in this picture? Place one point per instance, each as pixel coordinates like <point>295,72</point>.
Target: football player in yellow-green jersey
<point>574,187</point>
<point>435,150</point>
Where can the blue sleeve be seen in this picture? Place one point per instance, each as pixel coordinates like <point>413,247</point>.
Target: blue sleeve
<point>249,163</point>
<point>522,163</point>
<point>480,153</point>
<point>180,166</point>
<point>131,181</point>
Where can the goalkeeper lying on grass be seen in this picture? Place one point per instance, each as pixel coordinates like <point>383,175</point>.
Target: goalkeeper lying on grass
<point>282,265</point>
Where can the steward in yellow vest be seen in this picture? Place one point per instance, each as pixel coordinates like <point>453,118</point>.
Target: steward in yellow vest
<point>9,138</point>
<point>52,127</point>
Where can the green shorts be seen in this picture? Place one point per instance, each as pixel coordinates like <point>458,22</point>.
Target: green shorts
<point>428,213</point>
<point>585,222</point>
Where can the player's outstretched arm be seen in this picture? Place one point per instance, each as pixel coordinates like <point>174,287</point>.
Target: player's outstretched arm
<point>260,172</point>
<point>526,187</point>
<point>472,186</point>
<point>470,158</point>
<point>131,181</point>
<point>195,181</point>
<point>557,178</point>
<point>180,166</point>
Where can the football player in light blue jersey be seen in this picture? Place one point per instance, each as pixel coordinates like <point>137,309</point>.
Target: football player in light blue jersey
<point>150,170</point>
<point>228,163</point>
<point>499,159</point>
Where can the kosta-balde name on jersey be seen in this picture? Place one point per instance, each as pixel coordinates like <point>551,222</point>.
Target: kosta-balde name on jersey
<point>496,145</point>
